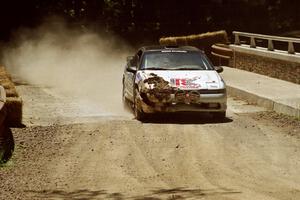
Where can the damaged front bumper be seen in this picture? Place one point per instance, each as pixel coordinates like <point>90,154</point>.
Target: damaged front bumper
<point>185,101</point>
<point>155,94</point>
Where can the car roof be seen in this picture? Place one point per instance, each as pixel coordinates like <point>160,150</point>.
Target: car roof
<point>171,48</point>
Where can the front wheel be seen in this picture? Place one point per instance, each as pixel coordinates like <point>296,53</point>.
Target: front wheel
<point>139,115</point>
<point>138,112</point>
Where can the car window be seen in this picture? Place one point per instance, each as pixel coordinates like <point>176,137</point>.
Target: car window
<point>180,60</point>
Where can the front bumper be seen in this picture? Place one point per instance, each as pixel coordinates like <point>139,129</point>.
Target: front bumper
<point>203,103</point>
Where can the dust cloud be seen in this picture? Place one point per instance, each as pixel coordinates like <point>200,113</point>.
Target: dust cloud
<point>78,64</point>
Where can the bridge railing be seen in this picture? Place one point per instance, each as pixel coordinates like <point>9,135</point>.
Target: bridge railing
<point>271,39</point>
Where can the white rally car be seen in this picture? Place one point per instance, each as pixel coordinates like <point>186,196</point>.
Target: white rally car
<point>173,79</point>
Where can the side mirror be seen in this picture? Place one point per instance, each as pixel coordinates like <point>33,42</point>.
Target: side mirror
<point>132,69</point>
<point>219,69</point>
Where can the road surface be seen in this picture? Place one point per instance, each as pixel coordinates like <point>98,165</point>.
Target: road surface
<point>67,152</point>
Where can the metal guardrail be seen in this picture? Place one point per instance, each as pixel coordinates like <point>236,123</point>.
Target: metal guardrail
<point>269,38</point>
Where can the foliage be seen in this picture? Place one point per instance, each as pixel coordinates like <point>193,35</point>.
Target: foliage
<point>143,18</point>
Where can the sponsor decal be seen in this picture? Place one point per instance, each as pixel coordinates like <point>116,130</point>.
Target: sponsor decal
<point>213,86</point>
<point>185,83</point>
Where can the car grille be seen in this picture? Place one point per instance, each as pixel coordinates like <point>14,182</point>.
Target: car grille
<point>192,96</point>
<point>185,95</point>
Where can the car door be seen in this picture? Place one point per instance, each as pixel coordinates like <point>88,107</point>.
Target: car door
<point>128,79</point>
<point>129,76</point>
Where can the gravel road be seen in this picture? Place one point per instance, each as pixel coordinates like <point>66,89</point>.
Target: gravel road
<point>65,153</point>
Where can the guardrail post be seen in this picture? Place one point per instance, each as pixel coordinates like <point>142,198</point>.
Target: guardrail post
<point>291,49</point>
<point>252,42</point>
<point>254,37</point>
<point>237,39</point>
<point>270,45</point>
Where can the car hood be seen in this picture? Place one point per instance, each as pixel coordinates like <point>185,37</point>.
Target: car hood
<point>192,79</point>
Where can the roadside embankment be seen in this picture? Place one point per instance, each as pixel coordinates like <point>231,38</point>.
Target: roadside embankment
<point>13,101</point>
<point>273,94</point>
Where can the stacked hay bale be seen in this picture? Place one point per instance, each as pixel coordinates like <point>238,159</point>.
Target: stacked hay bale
<point>202,41</point>
<point>223,52</point>
<point>13,101</point>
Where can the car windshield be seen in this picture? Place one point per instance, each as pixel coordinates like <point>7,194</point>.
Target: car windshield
<point>179,60</point>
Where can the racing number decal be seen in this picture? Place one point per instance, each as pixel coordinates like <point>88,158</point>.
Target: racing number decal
<point>180,82</point>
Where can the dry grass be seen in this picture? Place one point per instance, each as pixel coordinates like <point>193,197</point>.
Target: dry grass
<point>11,92</point>
<point>199,40</point>
<point>13,101</point>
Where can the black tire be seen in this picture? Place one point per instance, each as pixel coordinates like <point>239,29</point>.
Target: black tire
<point>139,115</point>
<point>219,115</point>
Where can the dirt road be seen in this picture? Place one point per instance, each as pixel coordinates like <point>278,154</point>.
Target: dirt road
<point>65,153</point>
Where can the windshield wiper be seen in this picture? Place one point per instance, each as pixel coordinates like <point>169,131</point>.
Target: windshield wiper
<point>186,68</point>
<point>155,68</point>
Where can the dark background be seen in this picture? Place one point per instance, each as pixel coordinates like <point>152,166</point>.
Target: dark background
<point>136,20</point>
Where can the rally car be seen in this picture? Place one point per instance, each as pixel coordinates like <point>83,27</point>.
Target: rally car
<point>160,79</point>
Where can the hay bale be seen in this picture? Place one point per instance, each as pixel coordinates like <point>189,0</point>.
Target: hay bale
<point>191,41</point>
<point>181,41</point>
<point>3,73</point>
<point>14,111</point>
<point>202,41</point>
<point>168,41</point>
<point>13,102</point>
<point>11,92</point>
<point>6,83</point>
